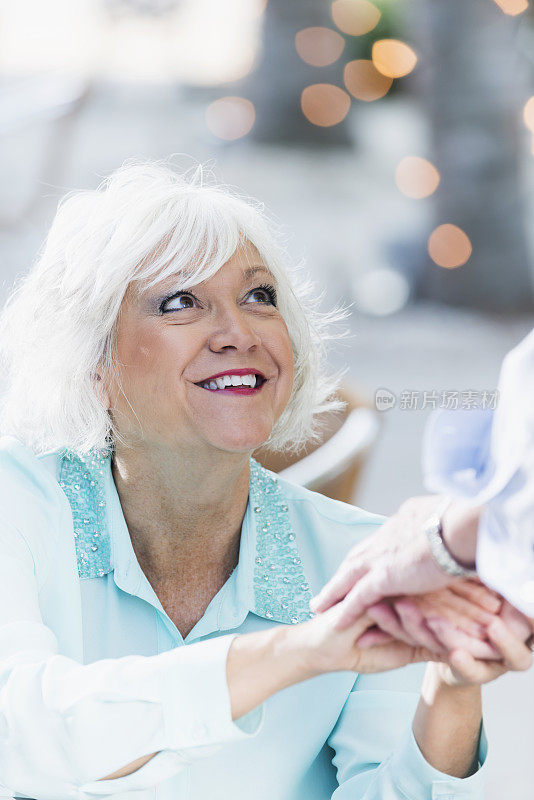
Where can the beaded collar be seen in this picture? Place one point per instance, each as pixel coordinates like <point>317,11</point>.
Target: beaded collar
<point>281,591</point>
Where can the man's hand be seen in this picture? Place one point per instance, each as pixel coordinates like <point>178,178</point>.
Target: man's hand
<point>394,561</point>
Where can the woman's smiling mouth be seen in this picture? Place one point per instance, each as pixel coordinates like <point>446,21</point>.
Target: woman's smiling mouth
<point>239,381</point>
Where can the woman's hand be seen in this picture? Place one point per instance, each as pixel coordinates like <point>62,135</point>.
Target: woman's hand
<point>328,649</point>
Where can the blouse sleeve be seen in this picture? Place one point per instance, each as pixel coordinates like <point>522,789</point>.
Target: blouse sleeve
<point>64,725</point>
<point>376,755</point>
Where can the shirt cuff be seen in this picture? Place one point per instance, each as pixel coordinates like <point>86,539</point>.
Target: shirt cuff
<point>162,766</point>
<point>196,699</point>
<point>196,712</point>
<point>420,781</point>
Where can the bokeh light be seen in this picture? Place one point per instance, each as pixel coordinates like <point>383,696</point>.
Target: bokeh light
<point>319,46</point>
<point>230,117</point>
<point>355,17</point>
<point>449,246</point>
<point>416,177</point>
<point>324,104</point>
<point>528,114</point>
<point>393,58</point>
<point>364,81</point>
<point>513,7</point>
<point>381,291</point>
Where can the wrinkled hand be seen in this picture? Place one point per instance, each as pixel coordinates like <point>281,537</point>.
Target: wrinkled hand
<point>396,560</point>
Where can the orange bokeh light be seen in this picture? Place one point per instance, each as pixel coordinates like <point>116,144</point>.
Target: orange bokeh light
<point>230,117</point>
<point>355,17</point>
<point>449,246</point>
<point>364,81</point>
<point>416,177</point>
<point>513,7</point>
<point>324,104</point>
<point>393,58</point>
<point>319,46</point>
<point>528,114</point>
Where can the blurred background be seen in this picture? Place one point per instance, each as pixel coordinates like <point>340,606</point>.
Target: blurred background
<point>392,140</point>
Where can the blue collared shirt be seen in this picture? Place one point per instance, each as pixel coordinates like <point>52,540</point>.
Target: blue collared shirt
<point>94,674</point>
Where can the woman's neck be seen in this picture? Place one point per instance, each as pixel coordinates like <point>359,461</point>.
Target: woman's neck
<point>184,514</point>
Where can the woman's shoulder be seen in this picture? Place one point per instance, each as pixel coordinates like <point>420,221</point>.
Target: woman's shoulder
<point>334,511</point>
<point>22,469</point>
<point>31,499</point>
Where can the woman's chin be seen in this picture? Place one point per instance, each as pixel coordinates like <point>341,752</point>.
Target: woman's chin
<point>241,441</point>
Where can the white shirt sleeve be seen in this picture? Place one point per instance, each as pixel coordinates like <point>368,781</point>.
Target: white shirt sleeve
<point>64,725</point>
<point>488,458</point>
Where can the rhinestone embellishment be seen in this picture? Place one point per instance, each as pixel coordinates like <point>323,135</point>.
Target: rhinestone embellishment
<point>281,590</point>
<point>280,587</point>
<point>82,481</point>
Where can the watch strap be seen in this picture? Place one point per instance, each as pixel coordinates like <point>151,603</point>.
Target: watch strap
<point>441,554</point>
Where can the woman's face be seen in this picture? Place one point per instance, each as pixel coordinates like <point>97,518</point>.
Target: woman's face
<point>171,346</point>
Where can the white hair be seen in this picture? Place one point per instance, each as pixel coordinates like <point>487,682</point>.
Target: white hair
<point>145,222</point>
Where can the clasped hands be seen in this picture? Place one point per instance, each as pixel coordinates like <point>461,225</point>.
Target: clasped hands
<point>403,600</point>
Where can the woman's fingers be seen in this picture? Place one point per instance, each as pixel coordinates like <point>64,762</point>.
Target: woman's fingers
<point>472,671</point>
<point>392,656</point>
<point>462,613</point>
<point>337,587</point>
<point>373,637</point>
<point>455,639</point>
<point>477,593</point>
<point>515,653</point>
<point>386,618</point>
<point>415,626</point>
<point>518,623</point>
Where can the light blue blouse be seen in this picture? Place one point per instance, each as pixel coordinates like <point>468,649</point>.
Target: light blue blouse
<point>94,674</point>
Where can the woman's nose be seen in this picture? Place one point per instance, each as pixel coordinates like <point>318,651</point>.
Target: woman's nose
<point>234,328</point>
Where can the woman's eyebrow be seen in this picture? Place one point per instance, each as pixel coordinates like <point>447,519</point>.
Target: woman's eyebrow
<point>169,288</point>
<point>250,271</point>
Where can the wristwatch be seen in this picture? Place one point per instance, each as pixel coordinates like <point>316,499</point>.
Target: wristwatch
<point>441,554</point>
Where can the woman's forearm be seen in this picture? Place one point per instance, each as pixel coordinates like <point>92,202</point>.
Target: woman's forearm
<point>447,723</point>
<point>261,664</point>
<point>258,665</point>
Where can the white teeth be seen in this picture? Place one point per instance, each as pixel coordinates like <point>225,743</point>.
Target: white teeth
<point>230,380</point>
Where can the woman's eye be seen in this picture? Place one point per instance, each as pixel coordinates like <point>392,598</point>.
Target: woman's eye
<point>263,294</point>
<point>182,300</point>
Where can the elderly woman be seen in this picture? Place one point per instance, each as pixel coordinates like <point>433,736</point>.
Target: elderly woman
<point>154,346</point>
